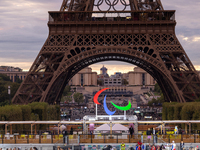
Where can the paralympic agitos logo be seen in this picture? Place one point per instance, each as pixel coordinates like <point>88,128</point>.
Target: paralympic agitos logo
<point>105,105</point>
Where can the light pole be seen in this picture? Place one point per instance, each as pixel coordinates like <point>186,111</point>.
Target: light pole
<point>48,120</point>
<point>9,91</point>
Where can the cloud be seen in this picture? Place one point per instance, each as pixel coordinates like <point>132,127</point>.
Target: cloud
<point>196,39</point>
<point>197,67</point>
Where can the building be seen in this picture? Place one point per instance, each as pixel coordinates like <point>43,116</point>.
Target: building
<point>140,77</point>
<point>118,74</point>
<point>85,77</point>
<point>125,76</point>
<point>103,71</point>
<point>10,69</point>
<point>112,81</point>
<point>13,72</point>
<point>103,74</point>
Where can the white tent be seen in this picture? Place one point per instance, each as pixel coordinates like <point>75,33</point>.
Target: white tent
<point>61,128</point>
<point>119,127</point>
<point>106,128</point>
<point>166,127</point>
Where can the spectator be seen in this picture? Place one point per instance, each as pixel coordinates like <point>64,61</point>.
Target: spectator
<point>148,131</point>
<point>139,144</point>
<point>143,147</point>
<point>137,147</point>
<point>131,130</point>
<point>59,148</point>
<point>179,131</point>
<point>64,135</point>
<point>123,146</point>
<point>162,147</point>
<point>197,147</point>
<point>181,145</point>
<point>71,131</point>
<point>148,147</point>
<point>153,147</point>
<point>173,146</point>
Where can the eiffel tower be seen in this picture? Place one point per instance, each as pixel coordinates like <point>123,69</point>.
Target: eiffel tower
<point>85,32</point>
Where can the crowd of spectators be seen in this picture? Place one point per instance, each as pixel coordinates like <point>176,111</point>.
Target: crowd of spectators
<point>19,148</point>
<point>143,113</point>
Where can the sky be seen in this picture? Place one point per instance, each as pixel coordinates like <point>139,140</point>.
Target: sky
<point>23,31</point>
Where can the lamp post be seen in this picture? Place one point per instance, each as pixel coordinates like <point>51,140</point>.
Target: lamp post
<point>48,120</point>
<point>35,124</point>
<point>9,91</point>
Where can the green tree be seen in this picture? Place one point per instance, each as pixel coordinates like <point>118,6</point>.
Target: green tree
<point>197,100</point>
<point>157,88</point>
<point>14,88</point>
<point>78,97</point>
<point>177,111</point>
<point>66,99</point>
<point>161,99</point>
<point>4,83</point>
<point>153,101</point>
<point>66,90</point>
<point>18,80</point>
<point>4,98</point>
<point>4,77</point>
<point>157,101</point>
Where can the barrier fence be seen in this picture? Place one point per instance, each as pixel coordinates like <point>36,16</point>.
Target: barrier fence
<point>130,146</point>
<point>98,138</point>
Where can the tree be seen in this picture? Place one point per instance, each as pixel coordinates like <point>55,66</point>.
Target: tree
<point>4,83</point>
<point>66,99</point>
<point>4,98</point>
<point>197,100</point>
<point>157,101</point>
<point>14,88</point>
<point>66,90</point>
<point>157,88</point>
<point>152,102</point>
<point>4,77</point>
<point>161,99</point>
<point>78,97</point>
<point>18,80</point>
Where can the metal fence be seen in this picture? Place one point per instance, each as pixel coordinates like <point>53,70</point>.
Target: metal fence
<point>27,146</point>
<point>23,138</point>
<point>90,146</point>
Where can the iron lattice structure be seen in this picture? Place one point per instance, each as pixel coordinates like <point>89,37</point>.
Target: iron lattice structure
<point>79,36</point>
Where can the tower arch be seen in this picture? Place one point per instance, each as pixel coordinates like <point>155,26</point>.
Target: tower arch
<point>149,66</point>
